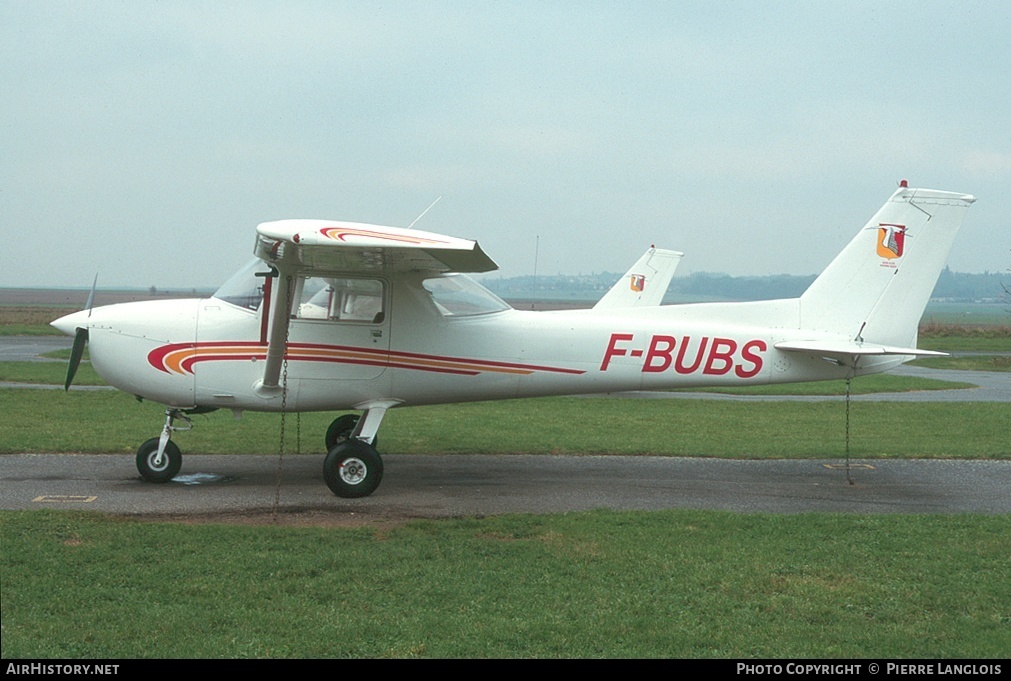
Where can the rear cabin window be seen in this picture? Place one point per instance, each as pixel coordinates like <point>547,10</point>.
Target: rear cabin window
<point>457,295</point>
<point>337,299</point>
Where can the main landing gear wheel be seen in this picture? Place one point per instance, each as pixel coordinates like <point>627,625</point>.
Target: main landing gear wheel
<point>159,471</point>
<point>340,430</point>
<point>353,469</point>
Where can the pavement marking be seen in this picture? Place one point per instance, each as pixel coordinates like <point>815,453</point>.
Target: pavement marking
<point>64,499</point>
<point>843,466</point>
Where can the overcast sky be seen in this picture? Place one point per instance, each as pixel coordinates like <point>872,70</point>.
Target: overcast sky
<point>145,140</point>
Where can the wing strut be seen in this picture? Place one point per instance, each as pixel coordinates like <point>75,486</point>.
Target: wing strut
<point>279,314</point>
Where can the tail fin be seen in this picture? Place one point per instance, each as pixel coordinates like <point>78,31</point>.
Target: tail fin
<point>877,288</point>
<point>645,284</point>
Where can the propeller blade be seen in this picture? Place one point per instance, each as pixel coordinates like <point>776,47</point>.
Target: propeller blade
<point>91,296</point>
<point>76,352</point>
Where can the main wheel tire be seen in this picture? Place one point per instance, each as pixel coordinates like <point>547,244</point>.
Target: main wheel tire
<point>169,467</point>
<point>340,431</point>
<point>353,469</point>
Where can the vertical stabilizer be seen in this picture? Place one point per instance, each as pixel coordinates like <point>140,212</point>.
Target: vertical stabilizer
<point>645,284</point>
<point>877,287</point>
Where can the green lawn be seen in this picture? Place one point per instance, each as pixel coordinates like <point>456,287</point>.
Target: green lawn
<point>109,421</point>
<point>967,363</point>
<point>603,584</point>
<point>47,373</point>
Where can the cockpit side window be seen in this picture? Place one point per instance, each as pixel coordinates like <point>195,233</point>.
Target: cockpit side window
<point>244,288</point>
<point>325,298</point>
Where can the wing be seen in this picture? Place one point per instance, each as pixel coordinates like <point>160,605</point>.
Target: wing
<point>645,284</point>
<point>353,247</point>
<point>296,247</point>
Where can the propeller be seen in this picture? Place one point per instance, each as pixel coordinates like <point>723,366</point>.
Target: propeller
<point>76,352</point>
<point>80,340</point>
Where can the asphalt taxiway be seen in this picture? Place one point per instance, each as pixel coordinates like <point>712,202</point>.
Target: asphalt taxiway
<point>419,486</point>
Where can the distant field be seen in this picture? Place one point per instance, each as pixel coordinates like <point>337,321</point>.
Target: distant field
<point>968,314</point>
<point>29,312</point>
<point>965,338</point>
<point>29,320</point>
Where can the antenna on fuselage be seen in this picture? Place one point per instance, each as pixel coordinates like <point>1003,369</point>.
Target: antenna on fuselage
<point>423,212</point>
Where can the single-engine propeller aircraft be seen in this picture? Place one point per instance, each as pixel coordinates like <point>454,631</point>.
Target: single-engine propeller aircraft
<point>347,316</point>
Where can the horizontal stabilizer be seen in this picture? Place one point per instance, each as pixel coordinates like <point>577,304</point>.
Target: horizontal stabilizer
<point>645,284</point>
<point>852,348</point>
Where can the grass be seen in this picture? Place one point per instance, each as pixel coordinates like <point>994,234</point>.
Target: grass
<point>963,338</point>
<point>47,373</point>
<point>112,422</point>
<point>602,584</point>
<point>30,321</point>
<point>862,385</point>
<point>966,363</point>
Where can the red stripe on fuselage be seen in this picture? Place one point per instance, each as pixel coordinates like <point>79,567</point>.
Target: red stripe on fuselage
<point>206,352</point>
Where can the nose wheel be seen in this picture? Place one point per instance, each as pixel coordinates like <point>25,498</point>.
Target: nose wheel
<point>155,468</point>
<point>159,459</point>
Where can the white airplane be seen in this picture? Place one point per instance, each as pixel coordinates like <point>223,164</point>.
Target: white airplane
<point>347,316</point>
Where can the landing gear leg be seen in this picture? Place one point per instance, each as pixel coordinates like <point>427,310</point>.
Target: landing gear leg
<point>352,467</point>
<point>341,428</point>
<point>159,459</point>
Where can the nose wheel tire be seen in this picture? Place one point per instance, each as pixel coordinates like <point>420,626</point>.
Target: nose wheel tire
<point>352,469</point>
<point>153,470</point>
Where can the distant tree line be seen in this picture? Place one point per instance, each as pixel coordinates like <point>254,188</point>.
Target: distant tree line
<point>960,286</point>
<point>706,286</point>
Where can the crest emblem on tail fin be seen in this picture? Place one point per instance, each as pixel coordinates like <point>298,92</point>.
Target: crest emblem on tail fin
<point>637,282</point>
<point>891,240</point>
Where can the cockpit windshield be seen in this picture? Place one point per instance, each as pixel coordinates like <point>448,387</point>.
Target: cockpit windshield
<point>244,288</point>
